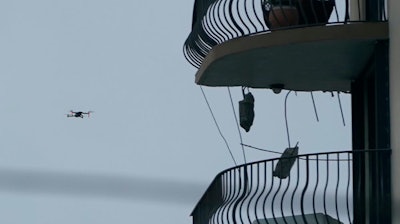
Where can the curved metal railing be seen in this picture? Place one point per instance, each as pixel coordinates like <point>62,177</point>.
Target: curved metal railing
<point>217,21</point>
<point>318,186</point>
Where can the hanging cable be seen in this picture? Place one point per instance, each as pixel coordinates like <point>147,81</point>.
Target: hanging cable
<point>270,151</point>
<point>341,109</point>
<point>265,150</point>
<point>237,124</point>
<point>216,124</point>
<point>315,108</point>
<point>286,120</point>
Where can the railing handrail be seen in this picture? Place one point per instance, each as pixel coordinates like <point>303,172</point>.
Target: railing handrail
<point>266,161</point>
<point>300,155</point>
<point>217,21</point>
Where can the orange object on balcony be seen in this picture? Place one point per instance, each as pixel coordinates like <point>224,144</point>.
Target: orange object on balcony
<point>285,13</point>
<point>282,16</point>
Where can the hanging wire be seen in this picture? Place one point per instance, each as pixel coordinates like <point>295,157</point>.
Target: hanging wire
<point>271,151</point>
<point>265,150</point>
<point>286,120</point>
<point>237,123</point>
<point>341,109</point>
<point>216,124</point>
<point>315,108</point>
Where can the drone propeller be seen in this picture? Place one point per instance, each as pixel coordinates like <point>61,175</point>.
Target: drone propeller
<point>71,114</point>
<point>89,112</point>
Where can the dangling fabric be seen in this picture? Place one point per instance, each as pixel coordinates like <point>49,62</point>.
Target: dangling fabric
<point>285,163</point>
<point>246,111</point>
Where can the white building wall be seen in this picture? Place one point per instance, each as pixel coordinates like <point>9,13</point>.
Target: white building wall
<point>394,62</point>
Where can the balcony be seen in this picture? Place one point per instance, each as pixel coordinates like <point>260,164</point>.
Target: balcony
<point>319,188</point>
<point>301,45</point>
<point>324,46</point>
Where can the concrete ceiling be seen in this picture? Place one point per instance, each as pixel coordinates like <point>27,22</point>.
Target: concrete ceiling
<point>323,58</point>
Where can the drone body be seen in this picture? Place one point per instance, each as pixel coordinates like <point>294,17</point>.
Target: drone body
<point>79,114</point>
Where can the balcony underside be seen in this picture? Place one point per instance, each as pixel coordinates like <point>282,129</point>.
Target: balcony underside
<point>316,58</point>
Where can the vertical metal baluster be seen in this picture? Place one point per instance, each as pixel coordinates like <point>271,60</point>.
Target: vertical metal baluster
<point>258,17</point>
<point>239,201</point>
<point>258,186</point>
<point>240,17</point>
<point>305,189</point>
<point>241,32</point>
<point>218,214</point>
<point>348,185</point>
<point>337,14</point>
<point>359,9</point>
<point>230,28</point>
<point>213,201</point>
<point>273,198</point>
<point>337,186</point>
<point>249,193</point>
<point>222,196</point>
<point>230,213</point>
<point>263,189</point>
<point>325,11</point>
<point>316,187</point>
<point>218,22</point>
<point>229,18</point>
<point>249,18</point>
<point>302,12</point>
<point>313,11</point>
<point>207,26</point>
<point>347,13</point>
<point>231,197</point>
<point>295,189</point>
<point>326,186</point>
<point>244,195</point>
<point>270,189</point>
<point>213,22</point>
<point>208,30</point>
<point>283,197</point>
<point>195,58</point>
<point>235,202</point>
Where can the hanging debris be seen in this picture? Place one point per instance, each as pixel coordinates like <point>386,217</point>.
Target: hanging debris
<point>246,111</point>
<point>285,163</point>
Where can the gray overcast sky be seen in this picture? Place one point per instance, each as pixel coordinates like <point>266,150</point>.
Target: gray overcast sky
<point>151,148</point>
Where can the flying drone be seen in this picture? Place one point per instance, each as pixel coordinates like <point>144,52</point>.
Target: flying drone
<point>79,114</point>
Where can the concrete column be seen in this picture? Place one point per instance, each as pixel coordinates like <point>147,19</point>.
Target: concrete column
<point>394,62</point>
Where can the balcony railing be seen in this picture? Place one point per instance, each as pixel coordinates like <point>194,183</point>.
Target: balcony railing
<point>318,188</point>
<point>217,21</point>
